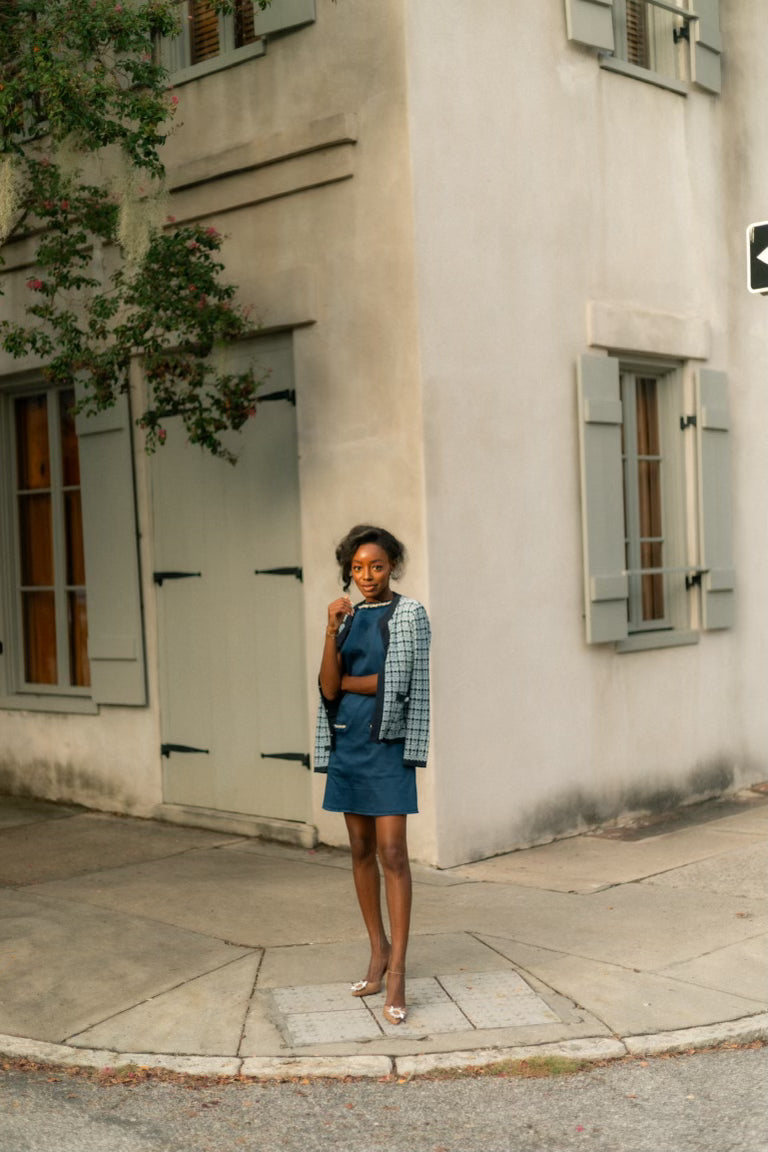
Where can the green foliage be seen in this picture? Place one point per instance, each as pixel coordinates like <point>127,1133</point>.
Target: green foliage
<point>79,78</point>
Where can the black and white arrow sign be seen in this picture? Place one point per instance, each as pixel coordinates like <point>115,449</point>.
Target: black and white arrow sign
<point>757,257</point>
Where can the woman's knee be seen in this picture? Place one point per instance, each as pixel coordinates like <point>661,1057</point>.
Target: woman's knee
<point>393,855</point>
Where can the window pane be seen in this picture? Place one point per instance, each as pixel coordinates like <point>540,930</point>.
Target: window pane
<point>653,585</point>
<point>244,33</point>
<point>39,626</point>
<point>647,417</point>
<point>637,33</point>
<point>79,668</point>
<point>203,31</point>
<point>649,492</point>
<point>70,462</point>
<point>32,455</point>
<point>36,540</point>
<point>73,532</point>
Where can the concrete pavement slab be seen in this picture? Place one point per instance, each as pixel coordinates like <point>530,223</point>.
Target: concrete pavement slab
<point>630,1002</point>
<point>17,810</point>
<point>205,1016</point>
<point>53,849</point>
<point>636,925</point>
<point>235,896</point>
<point>586,864</point>
<point>741,969</point>
<point>742,871</point>
<point>64,967</point>
<point>327,857</point>
<point>348,961</point>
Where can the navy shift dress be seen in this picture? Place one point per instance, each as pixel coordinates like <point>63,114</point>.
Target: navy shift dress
<point>365,776</point>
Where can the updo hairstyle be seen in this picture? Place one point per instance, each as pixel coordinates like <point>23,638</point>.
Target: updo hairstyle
<point>367,534</point>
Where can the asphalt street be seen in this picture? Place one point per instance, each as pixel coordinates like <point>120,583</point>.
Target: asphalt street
<point>707,1102</point>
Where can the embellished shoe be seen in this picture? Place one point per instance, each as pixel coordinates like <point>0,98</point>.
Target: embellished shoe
<point>394,1013</point>
<point>368,987</point>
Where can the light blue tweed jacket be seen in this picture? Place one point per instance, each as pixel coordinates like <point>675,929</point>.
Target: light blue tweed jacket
<point>402,696</point>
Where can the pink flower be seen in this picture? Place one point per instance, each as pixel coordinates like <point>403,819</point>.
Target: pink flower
<point>35,285</point>
<point>192,288</point>
<point>211,232</point>
<point>174,100</point>
<point>161,435</point>
<point>64,205</point>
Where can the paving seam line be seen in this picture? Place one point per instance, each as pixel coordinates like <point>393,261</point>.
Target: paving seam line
<point>743,1031</point>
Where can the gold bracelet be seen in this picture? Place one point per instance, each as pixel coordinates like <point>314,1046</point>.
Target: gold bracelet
<point>331,631</point>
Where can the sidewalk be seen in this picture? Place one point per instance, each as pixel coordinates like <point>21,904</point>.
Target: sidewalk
<point>131,941</point>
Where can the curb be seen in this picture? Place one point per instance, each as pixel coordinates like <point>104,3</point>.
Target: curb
<point>597,1048</point>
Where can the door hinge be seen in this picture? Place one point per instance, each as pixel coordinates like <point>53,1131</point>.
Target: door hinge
<point>166,749</point>
<point>687,422</point>
<point>158,577</point>
<point>284,394</point>
<point>300,757</point>
<point>297,572</point>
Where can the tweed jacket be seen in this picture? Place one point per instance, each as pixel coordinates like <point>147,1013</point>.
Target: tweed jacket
<point>402,695</point>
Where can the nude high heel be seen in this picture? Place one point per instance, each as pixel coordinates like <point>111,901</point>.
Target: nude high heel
<point>393,1012</point>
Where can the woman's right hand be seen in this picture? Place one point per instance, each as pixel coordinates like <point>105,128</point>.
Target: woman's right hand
<point>337,610</point>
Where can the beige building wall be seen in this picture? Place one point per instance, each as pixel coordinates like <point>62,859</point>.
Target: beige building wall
<point>300,158</point>
<point>562,208</point>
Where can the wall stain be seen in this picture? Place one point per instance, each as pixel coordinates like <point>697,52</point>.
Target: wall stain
<point>63,782</point>
<point>575,810</point>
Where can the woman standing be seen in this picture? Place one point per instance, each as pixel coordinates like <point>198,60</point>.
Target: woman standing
<point>372,732</point>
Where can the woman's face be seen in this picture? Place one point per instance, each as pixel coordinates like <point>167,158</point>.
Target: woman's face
<point>371,570</point>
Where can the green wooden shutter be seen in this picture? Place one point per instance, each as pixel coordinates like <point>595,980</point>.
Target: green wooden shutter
<point>715,505</point>
<point>590,22</point>
<point>606,588</point>
<point>282,15</point>
<point>115,640</point>
<point>707,45</point>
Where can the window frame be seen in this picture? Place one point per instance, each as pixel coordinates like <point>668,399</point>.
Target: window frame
<point>699,508</point>
<point>678,563</point>
<point>175,52</point>
<point>15,690</point>
<point>593,23</point>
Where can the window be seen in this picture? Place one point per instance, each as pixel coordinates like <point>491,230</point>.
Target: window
<point>666,42</point>
<point>52,620</point>
<point>653,488</point>
<point>209,41</point>
<point>67,512</point>
<point>649,37</point>
<point>655,476</point>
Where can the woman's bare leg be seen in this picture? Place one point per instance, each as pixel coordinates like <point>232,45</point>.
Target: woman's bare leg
<point>392,846</point>
<point>365,870</point>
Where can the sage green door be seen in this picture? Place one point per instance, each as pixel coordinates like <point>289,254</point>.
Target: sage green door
<point>230,627</point>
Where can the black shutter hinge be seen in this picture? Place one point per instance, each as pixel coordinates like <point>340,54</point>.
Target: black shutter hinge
<point>297,572</point>
<point>300,757</point>
<point>284,394</point>
<point>158,577</point>
<point>687,422</point>
<point>166,749</point>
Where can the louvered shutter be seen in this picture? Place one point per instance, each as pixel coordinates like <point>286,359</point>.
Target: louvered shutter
<point>245,33</point>
<point>282,15</point>
<point>606,588</point>
<point>115,639</point>
<point>590,22</point>
<point>715,505</point>
<point>707,45</point>
<point>203,31</point>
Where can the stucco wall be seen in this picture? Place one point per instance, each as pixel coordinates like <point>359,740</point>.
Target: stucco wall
<point>308,146</point>
<point>543,183</point>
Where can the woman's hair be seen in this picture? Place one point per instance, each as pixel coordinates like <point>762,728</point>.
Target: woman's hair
<point>367,534</point>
